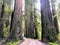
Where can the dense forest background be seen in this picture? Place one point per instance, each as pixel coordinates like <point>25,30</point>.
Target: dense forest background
<point>35,19</point>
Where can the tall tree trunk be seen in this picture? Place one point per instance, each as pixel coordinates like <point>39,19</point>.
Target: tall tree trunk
<point>29,24</point>
<point>16,29</point>
<point>1,17</point>
<point>31,28</point>
<point>35,20</point>
<point>48,29</point>
<point>26,18</point>
<point>54,15</point>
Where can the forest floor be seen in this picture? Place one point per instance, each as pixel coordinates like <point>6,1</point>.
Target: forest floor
<point>28,41</point>
<point>25,41</point>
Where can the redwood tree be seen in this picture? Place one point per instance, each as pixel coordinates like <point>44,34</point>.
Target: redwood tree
<point>16,29</point>
<point>54,15</point>
<point>1,17</point>
<point>35,21</point>
<point>48,28</point>
<point>29,29</point>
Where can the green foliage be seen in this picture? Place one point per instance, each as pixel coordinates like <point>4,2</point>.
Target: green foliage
<point>28,1</point>
<point>6,31</point>
<point>59,36</point>
<point>53,43</point>
<point>8,1</point>
<point>13,42</point>
<point>0,39</point>
<point>39,29</point>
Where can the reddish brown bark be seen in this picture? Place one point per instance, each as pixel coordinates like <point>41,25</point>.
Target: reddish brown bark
<point>16,29</point>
